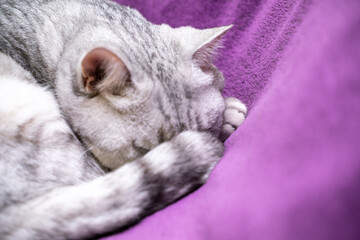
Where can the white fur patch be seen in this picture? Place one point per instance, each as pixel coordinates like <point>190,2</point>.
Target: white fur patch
<point>233,117</point>
<point>235,112</point>
<point>232,102</point>
<point>21,101</point>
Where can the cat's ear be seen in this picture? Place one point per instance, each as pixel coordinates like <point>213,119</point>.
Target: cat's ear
<point>103,70</point>
<point>207,42</point>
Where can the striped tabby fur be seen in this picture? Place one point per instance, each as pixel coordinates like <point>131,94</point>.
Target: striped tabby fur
<point>90,86</point>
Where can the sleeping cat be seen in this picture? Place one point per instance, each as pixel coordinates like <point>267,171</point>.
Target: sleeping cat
<point>89,87</point>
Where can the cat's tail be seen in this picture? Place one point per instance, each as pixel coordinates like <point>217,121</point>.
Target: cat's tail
<point>117,199</point>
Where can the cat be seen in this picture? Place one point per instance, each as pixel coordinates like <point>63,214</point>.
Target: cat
<point>105,117</point>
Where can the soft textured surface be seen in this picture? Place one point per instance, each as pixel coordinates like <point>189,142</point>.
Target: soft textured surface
<point>292,170</point>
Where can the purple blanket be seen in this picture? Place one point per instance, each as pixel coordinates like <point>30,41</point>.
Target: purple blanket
<point>292,170</point>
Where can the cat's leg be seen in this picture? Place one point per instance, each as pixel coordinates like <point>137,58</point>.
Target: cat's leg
<point>234,115</point>
<point>119,198</point>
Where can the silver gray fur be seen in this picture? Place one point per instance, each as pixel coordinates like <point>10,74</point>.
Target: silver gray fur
<point>150,134</point>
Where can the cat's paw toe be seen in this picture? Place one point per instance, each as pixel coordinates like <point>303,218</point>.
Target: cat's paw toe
<point>234,115</point>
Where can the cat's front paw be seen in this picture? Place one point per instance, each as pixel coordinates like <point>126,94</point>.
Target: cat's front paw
<point>234,115</point>
<point>181,165</point>
<point>200,152</point>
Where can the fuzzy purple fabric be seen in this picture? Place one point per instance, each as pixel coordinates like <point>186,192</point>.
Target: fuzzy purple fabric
<point>292,170</point>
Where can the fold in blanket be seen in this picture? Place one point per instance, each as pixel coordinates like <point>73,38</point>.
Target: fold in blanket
<point>292,170</point>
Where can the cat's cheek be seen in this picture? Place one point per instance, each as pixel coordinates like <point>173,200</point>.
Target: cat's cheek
<point>210,109</point>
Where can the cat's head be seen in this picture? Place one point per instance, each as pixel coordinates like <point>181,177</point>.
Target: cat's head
<point>125,95</point>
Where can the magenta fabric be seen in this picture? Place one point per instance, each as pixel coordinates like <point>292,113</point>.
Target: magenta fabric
<point>292,170</point>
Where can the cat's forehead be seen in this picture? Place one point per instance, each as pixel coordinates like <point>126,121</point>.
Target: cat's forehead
<point>155,47</point>
<point>157,54</point>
